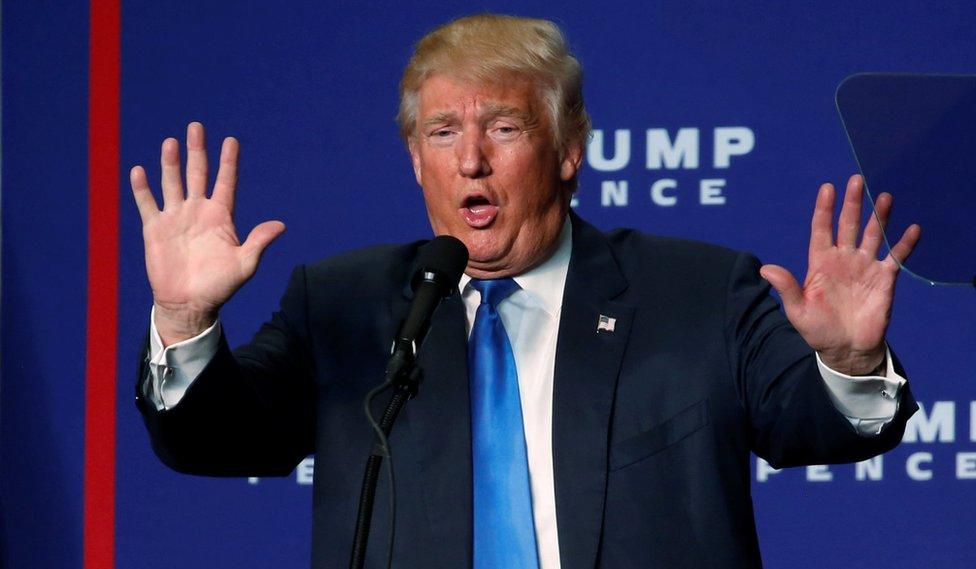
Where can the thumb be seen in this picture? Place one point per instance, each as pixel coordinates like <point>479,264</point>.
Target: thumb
<point>257,241</point>
<point>784,283</point>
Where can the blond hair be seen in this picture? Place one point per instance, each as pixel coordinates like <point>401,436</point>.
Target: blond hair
<point>484,47</point>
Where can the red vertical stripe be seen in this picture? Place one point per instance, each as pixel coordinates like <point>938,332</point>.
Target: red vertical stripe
<point>103,268</point>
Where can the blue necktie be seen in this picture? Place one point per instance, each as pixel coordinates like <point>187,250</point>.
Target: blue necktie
<point>504,532</point>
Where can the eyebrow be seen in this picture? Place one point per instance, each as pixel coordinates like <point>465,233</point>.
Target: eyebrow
<point>498,110</point>
<point>492,110</point>
<point>441,118</point>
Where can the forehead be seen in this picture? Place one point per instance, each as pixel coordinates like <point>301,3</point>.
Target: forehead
<point>440,94</point>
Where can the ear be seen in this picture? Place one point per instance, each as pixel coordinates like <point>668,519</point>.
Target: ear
<point>412,146</point>
<point>572,158</point>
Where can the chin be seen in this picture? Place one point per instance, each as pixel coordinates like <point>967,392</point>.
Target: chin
<point>487,260</point>
<point>482,257</point>
<point>483,246</point>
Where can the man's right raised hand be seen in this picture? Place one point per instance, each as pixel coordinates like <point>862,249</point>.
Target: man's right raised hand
<point>194,260</point>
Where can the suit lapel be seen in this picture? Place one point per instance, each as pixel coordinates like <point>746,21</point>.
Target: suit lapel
<point>587,364</point>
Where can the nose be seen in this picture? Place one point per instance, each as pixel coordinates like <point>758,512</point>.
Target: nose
<point>472,159</point>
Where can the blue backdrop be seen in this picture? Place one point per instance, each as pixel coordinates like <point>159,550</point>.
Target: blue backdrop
<point>310,91</point>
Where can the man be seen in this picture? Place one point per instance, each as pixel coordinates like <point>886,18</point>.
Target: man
<point>629,376</point>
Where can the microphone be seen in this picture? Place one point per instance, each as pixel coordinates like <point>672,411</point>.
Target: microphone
<point>440,264</point>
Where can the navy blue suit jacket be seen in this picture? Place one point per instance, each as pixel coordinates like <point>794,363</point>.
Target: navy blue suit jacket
<point>653,423</point>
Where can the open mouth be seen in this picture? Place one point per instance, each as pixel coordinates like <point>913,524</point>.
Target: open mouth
<point>478,211</point>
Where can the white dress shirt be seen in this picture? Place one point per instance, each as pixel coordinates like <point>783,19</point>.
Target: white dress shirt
<point>531,319</point>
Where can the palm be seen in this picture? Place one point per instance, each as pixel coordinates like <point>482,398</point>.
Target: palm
<point>843,308</point>
<point>194,259</point>
<point>847,297</point>
<point>193,256</point>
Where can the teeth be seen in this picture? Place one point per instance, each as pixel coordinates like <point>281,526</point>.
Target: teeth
<point>479,208</point>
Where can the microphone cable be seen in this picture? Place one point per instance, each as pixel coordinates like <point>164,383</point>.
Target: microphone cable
<point>385,451</point>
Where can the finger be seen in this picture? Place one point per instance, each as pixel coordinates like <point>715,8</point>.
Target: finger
<point>226,184</point>
<point>142,193</point>
<point>196,161</point>
<point>849,223</point>
<point>782,280</point>
<point>874,232</point>
<point>821,230</point>
<point>257,241</point>
<point>172,183</point>
<point>903,249</point>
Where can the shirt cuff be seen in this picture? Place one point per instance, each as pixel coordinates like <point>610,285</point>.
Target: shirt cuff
<point>173,368</point>
<point>869,402</point>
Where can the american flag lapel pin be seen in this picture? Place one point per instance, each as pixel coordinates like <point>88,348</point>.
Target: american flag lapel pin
<point>606,324</point>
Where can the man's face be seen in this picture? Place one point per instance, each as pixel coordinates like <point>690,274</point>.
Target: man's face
<point>491,172</point>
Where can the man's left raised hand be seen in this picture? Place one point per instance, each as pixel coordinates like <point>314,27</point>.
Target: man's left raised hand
<point>843,308</point>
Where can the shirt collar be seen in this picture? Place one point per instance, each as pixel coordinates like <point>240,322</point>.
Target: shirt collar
<point>545,282</point>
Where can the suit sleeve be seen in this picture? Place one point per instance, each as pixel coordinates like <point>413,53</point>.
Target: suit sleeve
<point>792,419</point>
<point>250,412</point>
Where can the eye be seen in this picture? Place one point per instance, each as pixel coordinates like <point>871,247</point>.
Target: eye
<point>505,132</point>
<point>442,136</point>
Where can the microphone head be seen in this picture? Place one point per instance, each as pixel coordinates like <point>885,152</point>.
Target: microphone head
<point>445,257</point>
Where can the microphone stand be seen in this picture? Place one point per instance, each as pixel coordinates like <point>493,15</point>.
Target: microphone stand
<point>440,265</point>
<point>404,375</point>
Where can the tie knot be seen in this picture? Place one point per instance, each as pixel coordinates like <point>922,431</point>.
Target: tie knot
<point>495,290</point>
